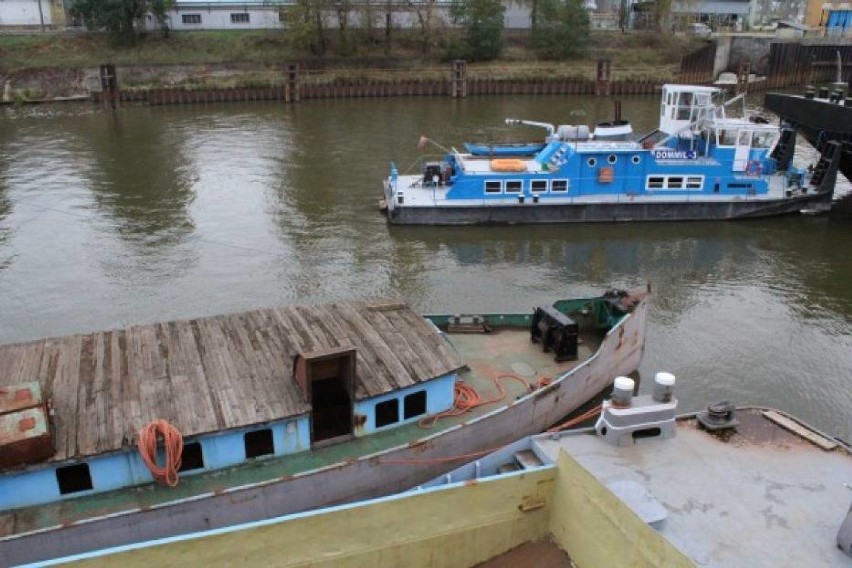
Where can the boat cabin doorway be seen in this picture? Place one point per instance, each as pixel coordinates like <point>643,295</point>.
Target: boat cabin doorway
<point>327,379</point>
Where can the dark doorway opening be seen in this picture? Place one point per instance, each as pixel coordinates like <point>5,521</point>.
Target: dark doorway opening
<point>328,379</point>
<point>332,409</point>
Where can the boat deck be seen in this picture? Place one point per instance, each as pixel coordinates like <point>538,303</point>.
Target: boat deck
<point>760,496</point>
<point>506,351</point>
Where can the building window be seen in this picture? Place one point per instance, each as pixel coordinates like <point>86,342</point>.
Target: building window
<point>387,413</point>
<point>414,405</point>
<point>192,457</point>
<point>259,443</point>
<point>240,18</point>
<point>190,19</point>
<point>538,185</point>
<point>559,186</point>
<point>493,187</point>
<point>74,478</point>
<point>514,186</point>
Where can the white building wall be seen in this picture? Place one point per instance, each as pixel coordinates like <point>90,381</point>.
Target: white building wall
<point>219,18</point>
<point>23,12</point>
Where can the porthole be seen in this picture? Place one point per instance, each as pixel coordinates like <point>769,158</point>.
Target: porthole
<point>592,162</point>
<point>612,158</point>
<point>635,159</point>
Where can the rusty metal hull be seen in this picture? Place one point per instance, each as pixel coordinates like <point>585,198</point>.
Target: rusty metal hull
<point>369,476</point>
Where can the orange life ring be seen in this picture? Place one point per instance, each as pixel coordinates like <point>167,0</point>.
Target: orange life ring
<point>606,175</point>
<point>754,168</point>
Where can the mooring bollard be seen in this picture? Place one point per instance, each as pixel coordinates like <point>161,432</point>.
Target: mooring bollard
<point>109,86</point>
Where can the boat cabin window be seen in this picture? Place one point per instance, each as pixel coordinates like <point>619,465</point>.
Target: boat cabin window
<point>192,457</point>
<point>727,137</point>
<point>514,186</point>
<point>745,138</point>
<point>538,185</point>
<point>695,182</point>
<point>559,186</point>
<point>674,183</point>
<point>387,413</point>
<point>414,405</point>
<point>611,159</point>
<point>655,182</point>
<point>259,443</point>
<point>74,478</point>
<point>763,140</point>
<point>493,187</point>
<point>684,107</point>
<point>592,162</point>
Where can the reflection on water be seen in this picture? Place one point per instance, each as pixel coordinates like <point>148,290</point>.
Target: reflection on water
<point>160,213</point>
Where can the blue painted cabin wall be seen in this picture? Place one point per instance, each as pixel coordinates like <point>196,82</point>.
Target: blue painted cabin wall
<point>439,397</point>
<point>37,486</point>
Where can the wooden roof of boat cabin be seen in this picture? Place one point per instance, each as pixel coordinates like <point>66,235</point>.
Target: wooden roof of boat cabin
<point>215,373</point>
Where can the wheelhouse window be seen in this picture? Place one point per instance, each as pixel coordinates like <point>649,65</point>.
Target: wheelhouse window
<point>414,404</point>
<point>655,182</point>
<point>240,18</point>
<point>514,186</point>
<point>259,443</point>
<point>727,137</point>
<point>493,187</point>
<point>559,186</point>
<point>538,185</point>
<point>74,478</point>
<point>190,19</point>
<point>387,413</point>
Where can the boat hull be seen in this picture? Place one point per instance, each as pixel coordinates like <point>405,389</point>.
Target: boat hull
<point>374,475</point>
<point>586,212</point>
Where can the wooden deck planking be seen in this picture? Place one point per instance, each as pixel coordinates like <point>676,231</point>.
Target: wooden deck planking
<point>215,373</point>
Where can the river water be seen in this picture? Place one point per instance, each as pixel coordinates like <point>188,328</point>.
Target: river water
<point>148,214</point>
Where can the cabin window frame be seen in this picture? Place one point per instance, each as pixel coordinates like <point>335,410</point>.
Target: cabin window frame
<point>667,182</point>
<point>259,443</point>
<point>636,160</point>
<point>612,159</point>
<point>533,182</point>
<point>190,19</point>
<point>518,191</point>
<point>554,182</point>
<point>188,458</point>
<point>592,162</point>
<point>380,413</point>
<point>412,406</point>
<point>74,478</point>
<point>488,182</point>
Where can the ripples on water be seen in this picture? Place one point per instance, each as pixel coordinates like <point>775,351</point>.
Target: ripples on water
<point>147,214</point>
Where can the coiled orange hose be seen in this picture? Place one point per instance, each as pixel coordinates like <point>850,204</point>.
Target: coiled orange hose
<point>149,435</point>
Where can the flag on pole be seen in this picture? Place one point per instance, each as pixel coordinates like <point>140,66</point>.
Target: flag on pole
<point>421,145</point>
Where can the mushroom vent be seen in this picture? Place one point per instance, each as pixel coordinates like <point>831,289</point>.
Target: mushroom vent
<point>719,416</point>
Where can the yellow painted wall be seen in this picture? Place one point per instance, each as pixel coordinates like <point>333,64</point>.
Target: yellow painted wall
<point>590,523</point>
<point>454,528</point>
<point>814,10</point>
<point>57,14</point>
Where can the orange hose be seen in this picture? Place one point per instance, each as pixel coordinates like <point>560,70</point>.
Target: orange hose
<point>172,439</point>
<point>576,420</point>
<point>466,398</point>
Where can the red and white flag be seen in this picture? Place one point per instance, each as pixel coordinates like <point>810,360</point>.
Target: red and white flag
<point>421,145</point>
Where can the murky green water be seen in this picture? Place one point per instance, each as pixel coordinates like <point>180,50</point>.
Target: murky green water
<point>160,213</point>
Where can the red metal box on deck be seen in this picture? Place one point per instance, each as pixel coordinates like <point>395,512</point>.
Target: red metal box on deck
<point>24,428</point>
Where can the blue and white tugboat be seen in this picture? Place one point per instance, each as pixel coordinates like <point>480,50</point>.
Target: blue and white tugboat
<point>699,165</point>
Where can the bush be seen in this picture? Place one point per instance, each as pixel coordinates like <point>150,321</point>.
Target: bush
<point>561,29</point>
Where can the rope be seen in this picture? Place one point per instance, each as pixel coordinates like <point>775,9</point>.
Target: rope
<point>466,398</point>
<point>172,439</point>
<point>591,413</point>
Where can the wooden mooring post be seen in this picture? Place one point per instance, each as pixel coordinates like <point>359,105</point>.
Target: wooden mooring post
<point>292,92</point>
<point>603,78</point>
<point>109,86</point>
<point>459,79</point>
